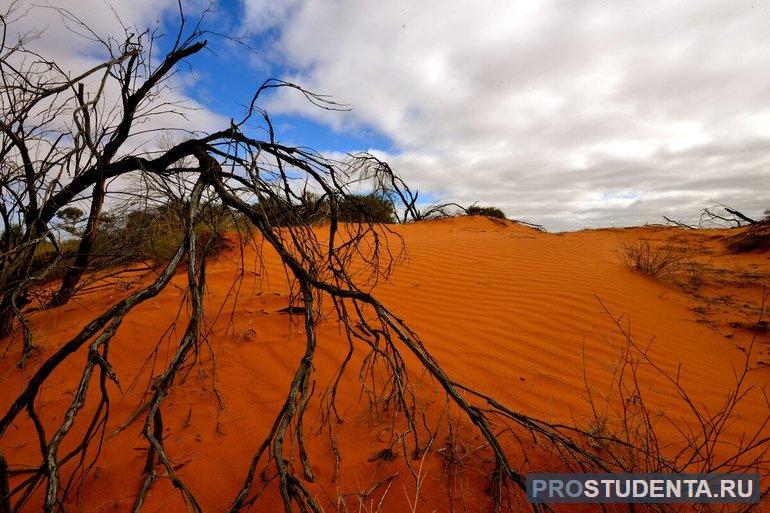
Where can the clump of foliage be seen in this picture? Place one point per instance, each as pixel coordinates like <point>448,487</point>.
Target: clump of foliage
<point>71,217</point>
<point>282,211</point>
<point>150,235</point>
<point>312,209</point>
<point>155,233</point>
<point>366,208</point>
<point>11,237</point>
<point>493,212</point>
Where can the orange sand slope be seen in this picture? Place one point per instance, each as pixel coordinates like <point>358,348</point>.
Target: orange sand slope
<point>515,313</point>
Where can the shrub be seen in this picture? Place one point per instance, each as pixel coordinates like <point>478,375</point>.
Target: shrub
<point>11,238</point>
<point>151,234</point>
<point>281,212</point>
<point>366,208</point>
<point>312,209</point>
<point>44,260</point>
<point>494,212</point>
<point>214,242</point>
<point>156,233</point>
<point>657,261</point>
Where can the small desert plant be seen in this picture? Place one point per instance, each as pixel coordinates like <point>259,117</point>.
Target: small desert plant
<point>636,436</point>
<point>494,212</point>
<point>657,261</point>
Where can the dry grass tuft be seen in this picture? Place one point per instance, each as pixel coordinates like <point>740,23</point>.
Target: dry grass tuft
<point>677,264</point>
<point>660,262</point>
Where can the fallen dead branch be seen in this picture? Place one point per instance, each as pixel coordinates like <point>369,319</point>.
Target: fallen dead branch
<point>265,187</point>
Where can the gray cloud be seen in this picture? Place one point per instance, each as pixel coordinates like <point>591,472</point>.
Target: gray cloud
<point>65,38</point>
<point>570,114</point>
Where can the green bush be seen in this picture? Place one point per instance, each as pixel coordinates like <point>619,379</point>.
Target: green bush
<point>313,209</point>
<point>281,212</point>
<point>11,238</point>
<point>156,233</point>
<point>44,260</point>
<point>494,212</point>
<point>366,208</point>
<point>149,235</point>
<point>153,234</point>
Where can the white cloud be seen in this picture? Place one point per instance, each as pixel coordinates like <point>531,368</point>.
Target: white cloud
<point>559,112</point>
<point>65,39</point>
<point>62,38</point>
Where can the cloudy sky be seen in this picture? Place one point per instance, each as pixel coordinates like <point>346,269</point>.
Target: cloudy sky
<point>569,114</point>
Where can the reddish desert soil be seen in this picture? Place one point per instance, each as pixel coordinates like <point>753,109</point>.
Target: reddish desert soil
<point>508,310</point>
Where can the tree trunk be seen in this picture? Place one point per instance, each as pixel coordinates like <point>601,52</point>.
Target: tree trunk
<point>74,274</point>
<point>5,499</point>
<point>6,318</point>
<point>741,215</point>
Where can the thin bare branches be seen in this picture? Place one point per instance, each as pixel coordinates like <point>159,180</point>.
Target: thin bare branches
<point>65,144</point>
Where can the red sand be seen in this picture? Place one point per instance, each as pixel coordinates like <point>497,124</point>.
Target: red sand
<point>503,308</point>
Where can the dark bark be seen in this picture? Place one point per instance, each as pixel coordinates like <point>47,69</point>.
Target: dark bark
<point>6,316</point>
<point>37,216</point>
<point>740,215</point>
<point>13,295</point>
<point>74,274</point>
<point>5,499</point>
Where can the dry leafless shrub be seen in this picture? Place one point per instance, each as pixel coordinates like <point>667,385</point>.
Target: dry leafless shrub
<point>754,238</point>
<point>634,435</point>
<point>659,261</point>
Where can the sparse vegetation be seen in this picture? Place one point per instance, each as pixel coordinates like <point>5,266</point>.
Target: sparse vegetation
<point>151,236</point>
<point>193,190</point>
<point>754,238</point>
<point>761,326</point>
<point>636,437</point>
<point>659,261</point>
<point>667,262</point>
<point>312,209</point>
<point>493,212</point>
<point>367,208</point>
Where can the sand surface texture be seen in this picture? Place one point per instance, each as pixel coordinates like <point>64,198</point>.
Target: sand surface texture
<point>524,316</point>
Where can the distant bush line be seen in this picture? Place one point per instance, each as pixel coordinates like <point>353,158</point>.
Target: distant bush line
<point>476,210</point>
<point>152,233</point>
<point>313,209</point>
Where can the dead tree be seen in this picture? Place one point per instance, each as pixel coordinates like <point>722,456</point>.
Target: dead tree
<point>49,165</point>
<point>725,215</point>
<point>48,168</point>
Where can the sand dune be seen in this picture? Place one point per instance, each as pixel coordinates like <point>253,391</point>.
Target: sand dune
<point>521,315</point>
